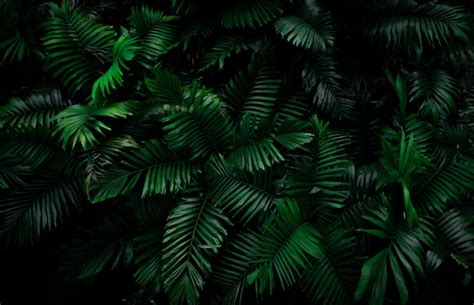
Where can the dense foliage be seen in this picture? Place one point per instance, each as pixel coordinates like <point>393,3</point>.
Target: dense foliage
<point>243,152</point>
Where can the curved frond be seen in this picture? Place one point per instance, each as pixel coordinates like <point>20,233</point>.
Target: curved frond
<point>147,248</point>
<point>123,51</point>
<point>81,124</point>
<point>252,150</point>
<point>250,13</point>
<point>40,206</point>
<point>156,32</point>
<point>320,173</point>
<point>323,81</point>
<point>230,190</point>
<point>310,31</point>
<point>152,166</point>
<point>424,24</point>
<point>331,278</point>
<point>232,269</point>
<point>71,42</point>
<point>437,91</point>
<point>454,236</point>
<point>287,243</point>
<point>17,47</point>
<point>224,47</point>
<point>37,110</point>
<point>204,129</point>
<point>100,247</point>
<point>166,87</point>
<point>253,91</point>
<point>194,231</point>
<point>404,253</point>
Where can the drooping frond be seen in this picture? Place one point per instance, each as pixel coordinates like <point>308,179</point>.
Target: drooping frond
<point>250,13</point>
<point>454,236</point>
<point>437,91</point>
<point>195,229</point>
<point>81,123</point>
<point>320,174</point>
<point>156,32</point>
<point>331,278</point>
<point>287,243</point>
<point>123,51</point>
<point>147,247</point>
<point>323,81</point>
<point>232,191</point>
<point>307,29</point>
<point>39,206</point>
<point>232,269</point>
<point>420,24</point>
<point>11,173</point>
<point>41,151</point>
<point>443,185</point>
<point>253,91</point>
<point>225,46</point>
<point>152,166</point>
<point>37,110</point>
<point>404,253</point>
<point>103,246</point>
<point>252,150</point>
<point>71,42</point>
<point>166,87</point>
<point>17,47</point>
<point>203,129</point>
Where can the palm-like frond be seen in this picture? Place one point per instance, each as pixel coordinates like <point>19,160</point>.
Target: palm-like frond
<point>243,151</point>
<point>250,14</point>
<point>166,87</point>
<point>156,32</point>
<point>203,129</point>
<point>34,111</point>
<point>40,150</point>
<point>80,123</point>
<point>287,243</point>
<point>10,172</point>
<point>443,185</point>
<point>436,89</point>
<point>195,30</point>
<point>454,235</point>
<point>40,206</point>
<point>320,174</point>
<point>147,248</point>
<point>17,47</point>
<point>231,271</point>
<point>308,30</point>
<point>330,279</point>
<point>323,81</point>
<point>225,46</point>
<point>194,230</point>
<point>409,23</point>
<point>231,191</point>
<point>404,253</point>
<point>292,134</point>
<point>156,169</point>
<point>252,150</point>
<point>123,51</point>
<point>253,91</point>
<point>71,42</point>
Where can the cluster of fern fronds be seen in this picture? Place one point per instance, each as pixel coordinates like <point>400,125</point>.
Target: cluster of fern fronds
<point>231,152</point>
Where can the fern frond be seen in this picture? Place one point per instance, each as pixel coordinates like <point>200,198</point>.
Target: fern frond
<point>152,166</point>
<point>195,229</point>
